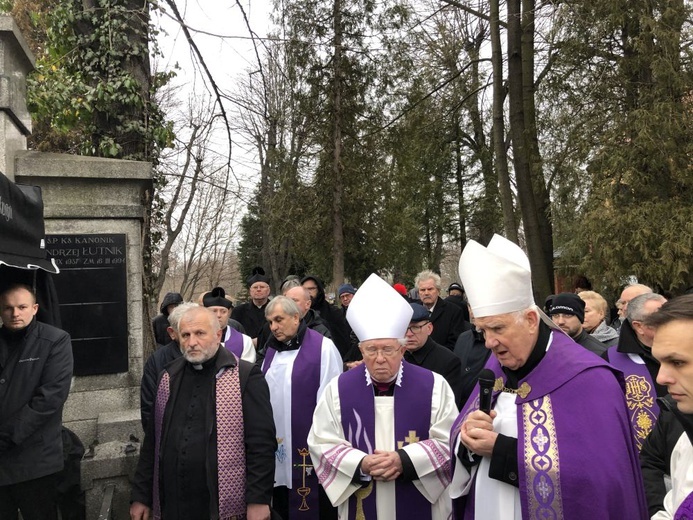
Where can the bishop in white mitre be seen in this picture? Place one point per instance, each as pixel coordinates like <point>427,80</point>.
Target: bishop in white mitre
<point>380,435</point>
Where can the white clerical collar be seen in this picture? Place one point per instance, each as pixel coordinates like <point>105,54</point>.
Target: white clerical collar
<point>398,382</point>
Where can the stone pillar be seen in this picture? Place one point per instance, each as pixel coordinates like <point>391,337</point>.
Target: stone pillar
<point>100,197</point>
<point>90,195</point>
<point>16,61</point>
<point>90,199</point>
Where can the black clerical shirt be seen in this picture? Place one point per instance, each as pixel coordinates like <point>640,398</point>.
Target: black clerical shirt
<point>184,473</point>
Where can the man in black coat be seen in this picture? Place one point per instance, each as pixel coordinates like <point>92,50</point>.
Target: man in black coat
<point>424,352</point>
<point>473,354</point>
<point>333,317</point>
<point>448,321</point>
<point>252,314</point>
<point>456,296</point>
<point>668,449</point>
<point>160,323</point>
<point>158,360</point>
<point>35,374</point>
<point>204,456</point>
<point>567,310</point>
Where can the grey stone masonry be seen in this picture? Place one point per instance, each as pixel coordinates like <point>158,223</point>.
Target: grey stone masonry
<point>16,61</point>
<point>84,195</point>
<point>109,463</point>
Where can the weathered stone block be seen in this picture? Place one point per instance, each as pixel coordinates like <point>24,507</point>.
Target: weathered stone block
<point>119,426</point>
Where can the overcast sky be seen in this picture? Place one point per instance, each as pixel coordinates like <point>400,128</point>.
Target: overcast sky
<point>220,31</point>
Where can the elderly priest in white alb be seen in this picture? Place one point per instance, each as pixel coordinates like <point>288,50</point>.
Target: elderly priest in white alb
<point>380,434</point>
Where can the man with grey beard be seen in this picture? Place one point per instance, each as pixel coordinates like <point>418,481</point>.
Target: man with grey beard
<point>208,451</point>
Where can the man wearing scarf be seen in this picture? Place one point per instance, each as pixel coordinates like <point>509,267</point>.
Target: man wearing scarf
<point>298,364</point>
<point>380,433</point>
<point>557,442</point>
<point>208,453</point>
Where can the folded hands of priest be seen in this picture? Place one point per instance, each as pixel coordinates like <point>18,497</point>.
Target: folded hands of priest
<point>382,465</point>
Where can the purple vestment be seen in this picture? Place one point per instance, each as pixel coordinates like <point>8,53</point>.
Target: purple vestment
<point>576,454</point>
<point>641,395</point>
<point>235,342</point>
<point>412,414</point>
<point>305,383</point>
<point>685,510</point>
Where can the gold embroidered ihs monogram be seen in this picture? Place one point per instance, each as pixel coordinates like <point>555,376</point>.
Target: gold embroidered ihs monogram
<point>410,439</point>
<point>640,405</point>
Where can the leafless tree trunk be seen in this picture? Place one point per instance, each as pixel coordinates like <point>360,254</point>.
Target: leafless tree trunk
<point>337,167</point>
<point>522,155</point>
<point>499,148</point>
<point>536,166</point>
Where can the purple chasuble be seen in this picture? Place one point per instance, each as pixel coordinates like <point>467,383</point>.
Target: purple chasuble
<point>230,442</point>
<point>685,510</point>
<point>576,454</point>
<point>641,395</point>
<point>305,383</point>
<point>235,342</point>
<point>412,424</point>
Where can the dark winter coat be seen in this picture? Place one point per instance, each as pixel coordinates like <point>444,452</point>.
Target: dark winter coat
<point>258,431</point>
<point>590,343</point>
<point>440,360</point>
<point>655,456</point>
<point>251,317</point>
<point>333,317</point>
<point>34,384</point>
<point>150,376</point>
<point>448,323</point>
<point>473,354</point>
<point>160,323</point>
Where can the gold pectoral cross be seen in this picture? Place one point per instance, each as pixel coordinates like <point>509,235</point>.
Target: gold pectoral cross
<point>410,439</point>
<point>304,491</point>
<point>361,495</point>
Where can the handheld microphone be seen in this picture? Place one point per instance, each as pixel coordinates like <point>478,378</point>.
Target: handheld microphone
<point>486,381</point>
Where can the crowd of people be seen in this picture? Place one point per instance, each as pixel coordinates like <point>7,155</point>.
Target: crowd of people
<point>480,405</point>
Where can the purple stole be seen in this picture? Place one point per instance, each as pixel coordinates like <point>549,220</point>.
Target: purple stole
<point>412,424</point>
<point>641,395</point>
<point>305,383</point>
<point>230,442</point>
<point>685,510</point>
<point>235,342</point>
<point>546,417</point>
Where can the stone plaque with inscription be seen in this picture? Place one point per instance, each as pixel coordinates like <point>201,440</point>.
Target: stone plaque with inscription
<point>92,291</point>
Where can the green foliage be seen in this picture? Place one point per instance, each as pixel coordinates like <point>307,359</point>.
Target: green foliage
<point>92,92</point>
<point>635,133</point>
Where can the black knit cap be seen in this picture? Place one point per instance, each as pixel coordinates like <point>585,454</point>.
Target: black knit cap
<point>258,275</point>
<point>568,303</point>
<point>216,298</point>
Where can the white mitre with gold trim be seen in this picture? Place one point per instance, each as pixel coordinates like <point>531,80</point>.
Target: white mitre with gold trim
<point>377,311</point>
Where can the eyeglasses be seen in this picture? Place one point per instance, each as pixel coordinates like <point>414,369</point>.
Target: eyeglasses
<point>415,329</point>
<point>373,352</point>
